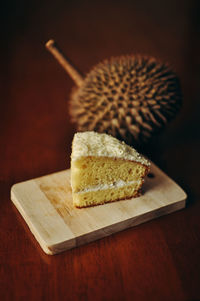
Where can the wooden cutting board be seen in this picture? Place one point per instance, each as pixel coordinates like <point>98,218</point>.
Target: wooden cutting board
<point>46,205</point>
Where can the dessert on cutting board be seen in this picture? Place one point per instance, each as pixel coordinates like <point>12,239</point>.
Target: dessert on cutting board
<point>104,169</point>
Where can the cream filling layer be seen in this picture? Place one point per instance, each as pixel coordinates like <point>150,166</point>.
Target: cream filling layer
<point>117,184</point>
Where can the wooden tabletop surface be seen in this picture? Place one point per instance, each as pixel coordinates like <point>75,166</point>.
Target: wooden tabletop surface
<point>158,260</point>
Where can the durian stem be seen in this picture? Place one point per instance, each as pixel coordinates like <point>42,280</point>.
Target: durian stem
<point>65,62</point>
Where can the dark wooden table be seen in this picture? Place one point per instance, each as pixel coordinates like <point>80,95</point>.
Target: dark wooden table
<point>159,260</point>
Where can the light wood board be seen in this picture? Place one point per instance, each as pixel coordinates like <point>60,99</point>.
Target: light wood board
<point>46,205</point>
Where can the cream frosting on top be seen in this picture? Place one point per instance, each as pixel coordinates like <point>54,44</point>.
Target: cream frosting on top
<point>95,144</point>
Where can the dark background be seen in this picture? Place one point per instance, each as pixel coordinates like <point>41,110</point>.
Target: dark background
<point>36,139</point>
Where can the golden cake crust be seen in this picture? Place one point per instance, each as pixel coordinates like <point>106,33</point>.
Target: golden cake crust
<point>104,170</point>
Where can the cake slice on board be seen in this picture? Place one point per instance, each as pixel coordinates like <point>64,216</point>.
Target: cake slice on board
<point>104,169</point>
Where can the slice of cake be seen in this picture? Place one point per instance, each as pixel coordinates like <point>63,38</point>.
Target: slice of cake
<point>104,169</point>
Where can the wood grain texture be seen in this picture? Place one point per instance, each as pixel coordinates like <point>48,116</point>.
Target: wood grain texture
<point>46,205</point>
<point>158,260</point>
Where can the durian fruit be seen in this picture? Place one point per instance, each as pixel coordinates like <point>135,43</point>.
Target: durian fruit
<point>130,97</point>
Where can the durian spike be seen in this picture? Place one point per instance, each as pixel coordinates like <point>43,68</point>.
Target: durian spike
<point>65,62</point>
